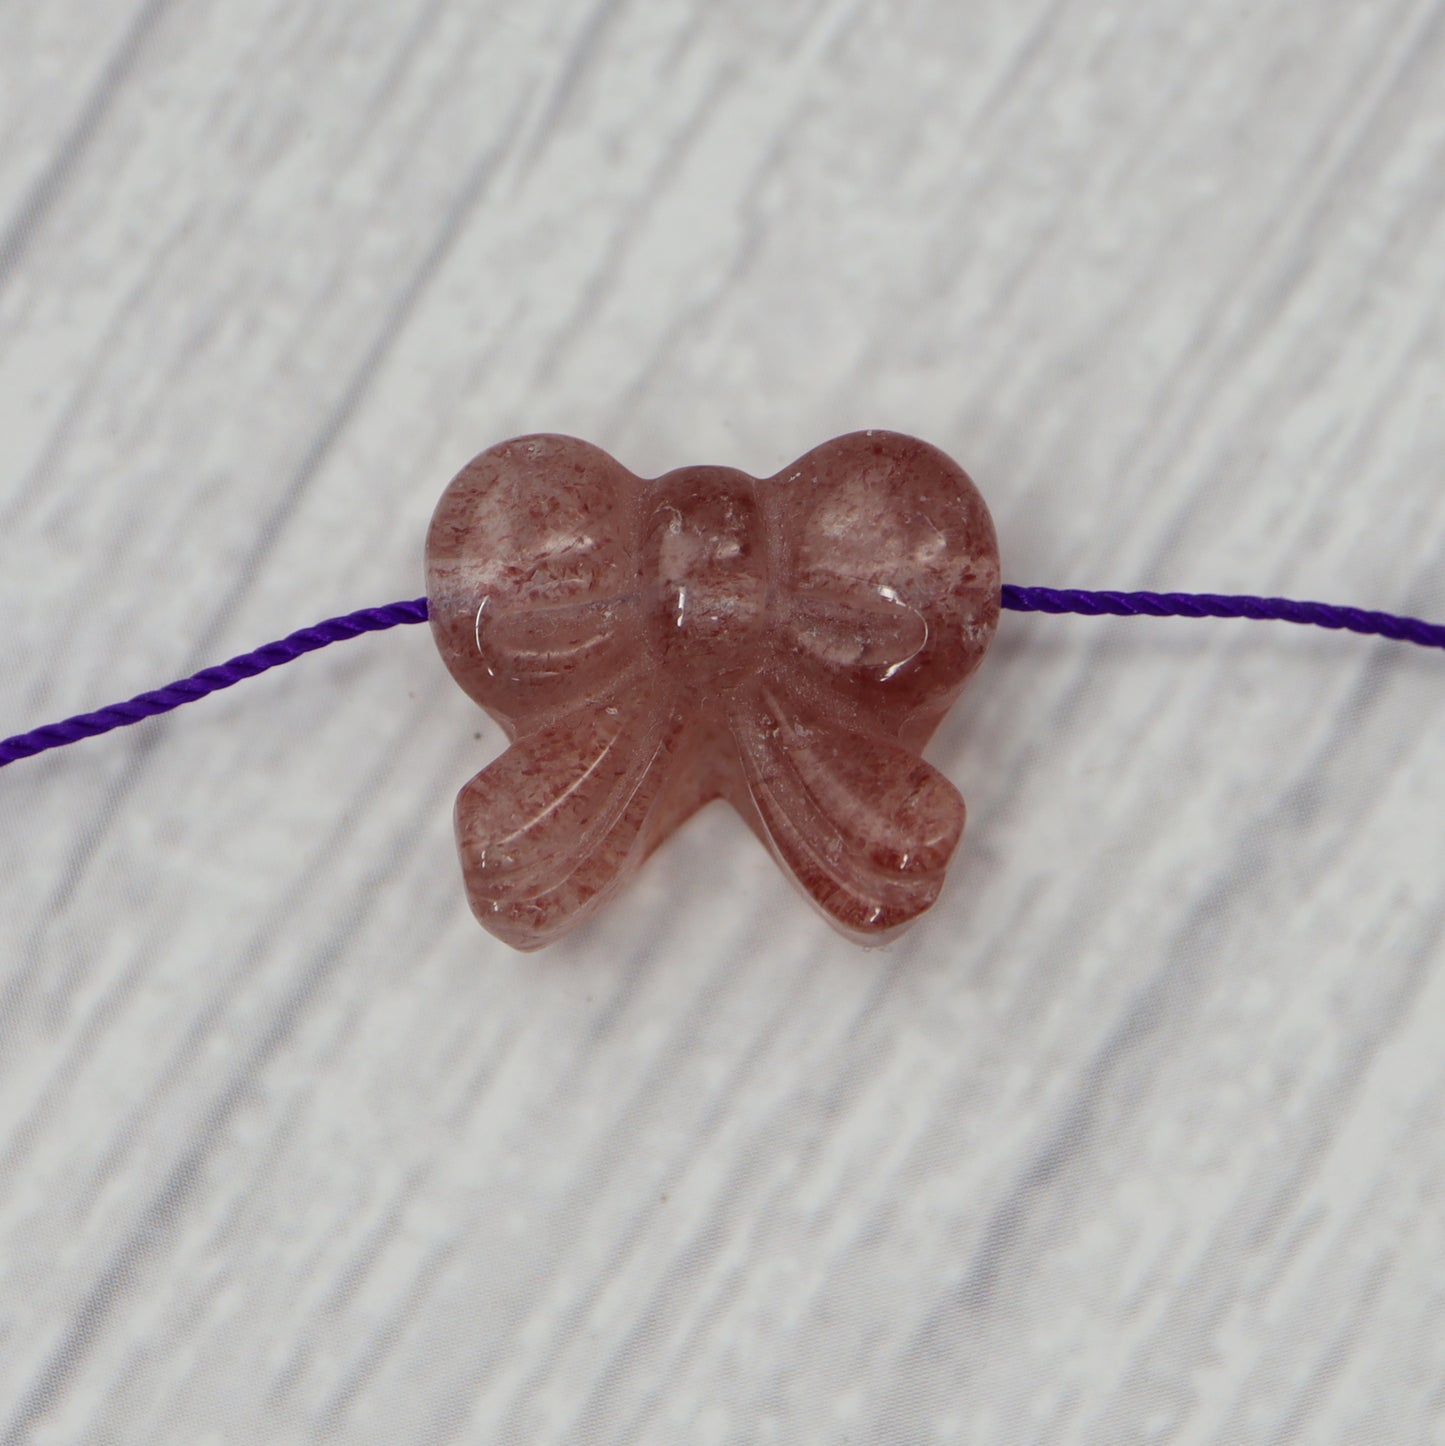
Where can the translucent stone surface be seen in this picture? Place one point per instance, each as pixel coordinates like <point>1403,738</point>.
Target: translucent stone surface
<point>788,644</point>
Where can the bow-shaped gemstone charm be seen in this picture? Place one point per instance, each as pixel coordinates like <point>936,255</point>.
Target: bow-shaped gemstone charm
<point>788,644</point>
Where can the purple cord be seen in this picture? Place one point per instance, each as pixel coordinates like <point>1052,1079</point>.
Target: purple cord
<point>1227,605</point>
<point>1020,599</point>
<point>211,680</point>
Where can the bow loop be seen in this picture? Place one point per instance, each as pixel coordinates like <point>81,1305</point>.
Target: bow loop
<point>532,576</point>
<point>896,531</point>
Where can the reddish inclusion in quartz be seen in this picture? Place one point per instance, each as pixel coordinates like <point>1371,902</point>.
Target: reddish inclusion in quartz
<point>788,644</point>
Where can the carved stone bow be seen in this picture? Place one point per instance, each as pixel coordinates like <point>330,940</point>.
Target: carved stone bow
<point>788,644</point>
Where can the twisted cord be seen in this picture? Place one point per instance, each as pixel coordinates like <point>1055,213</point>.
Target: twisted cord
<point>1217,605</point>
<point>211,680</point>
<point>1019,599</point>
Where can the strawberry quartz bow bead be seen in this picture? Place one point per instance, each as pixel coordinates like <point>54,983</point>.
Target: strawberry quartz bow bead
<point>786,643</point>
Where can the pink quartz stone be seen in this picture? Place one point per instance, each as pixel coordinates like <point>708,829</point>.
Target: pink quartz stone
<point>788,644</point>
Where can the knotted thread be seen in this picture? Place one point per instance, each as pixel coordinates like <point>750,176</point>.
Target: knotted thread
<point>1018,599</point>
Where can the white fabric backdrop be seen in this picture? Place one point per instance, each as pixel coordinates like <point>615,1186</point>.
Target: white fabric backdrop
<point>1137,1137</point>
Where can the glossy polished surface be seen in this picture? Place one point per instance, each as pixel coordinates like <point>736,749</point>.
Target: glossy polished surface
<point>788,644</point>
